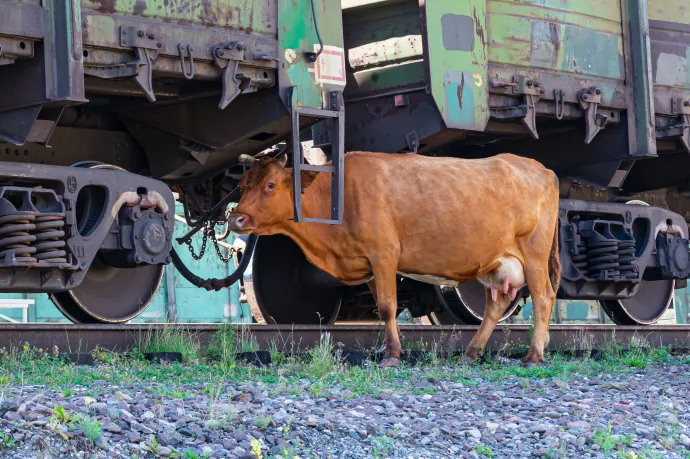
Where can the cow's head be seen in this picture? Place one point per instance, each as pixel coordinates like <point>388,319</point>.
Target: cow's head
<point>267,197</point>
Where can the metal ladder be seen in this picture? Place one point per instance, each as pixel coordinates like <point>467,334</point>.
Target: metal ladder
<point>336,113</point>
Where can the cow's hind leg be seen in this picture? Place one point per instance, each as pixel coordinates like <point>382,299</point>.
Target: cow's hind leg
<point>496,305</point>
<point>543,298</point>
<point>385,293</point>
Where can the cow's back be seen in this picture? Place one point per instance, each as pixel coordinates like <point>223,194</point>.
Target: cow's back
<point>449,213</point>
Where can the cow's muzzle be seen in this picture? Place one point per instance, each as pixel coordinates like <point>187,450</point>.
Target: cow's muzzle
<point>240,223</point>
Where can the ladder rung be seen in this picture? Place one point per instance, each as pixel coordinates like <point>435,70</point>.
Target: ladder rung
<point>321,220</point>
<point>318,112</point>
<point>314,168</point>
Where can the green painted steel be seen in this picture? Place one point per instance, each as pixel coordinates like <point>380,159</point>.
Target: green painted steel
<point>192,304</point>
<point>456,40</point>
<point>252,16</point>
<point>384,48</point>
<point>297,35</point>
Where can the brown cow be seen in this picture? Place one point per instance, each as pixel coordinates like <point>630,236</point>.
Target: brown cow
<point>437,220</point>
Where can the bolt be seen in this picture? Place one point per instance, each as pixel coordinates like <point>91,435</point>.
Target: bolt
<point>124,32</point>
<point>239,46</point>
<point>529,82</point>
<point>159,44</point>
<point>166,216</point>
<point>541,91</point>
<point>150,36</point>
<point>150,215</point>
<point>191,48</point>
<point>136,215</point>
<point>153,259</point>
<point>168,260</point>
<point>686,103</point>
<point>136,236</point>
<point>221,53</point>
<point>137,259</point>
<point>536,84</point>
<point>141,33</point>
<point>597,91</point>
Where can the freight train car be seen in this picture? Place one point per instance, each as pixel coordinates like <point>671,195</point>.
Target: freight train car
<point>105,106</point>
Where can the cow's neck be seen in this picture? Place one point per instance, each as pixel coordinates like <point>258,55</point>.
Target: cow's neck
<point>316,240</point>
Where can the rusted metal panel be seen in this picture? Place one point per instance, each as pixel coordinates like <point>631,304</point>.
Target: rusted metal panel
<point>669,32</point>
<point>582,38</point>
<point>638,79</point>
<point>250,16</point>
<point>22,19</point>
<point>456,42</point>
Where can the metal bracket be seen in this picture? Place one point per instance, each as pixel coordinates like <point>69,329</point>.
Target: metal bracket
<point>531,91</point>
<point>227,57</point>
<point>560,102</point>
<point>131,37</point>
<point>144,77</point>
<point>412,141</point>
<point>682,107</point>
<point>190,50</point>
<point>590,99</point>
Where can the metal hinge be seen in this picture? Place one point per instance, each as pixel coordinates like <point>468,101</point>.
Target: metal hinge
<point>681,107</point>
<point>589,99</point>
<point>227,57</point>
<point>531,90</point>
<point>146,46</point>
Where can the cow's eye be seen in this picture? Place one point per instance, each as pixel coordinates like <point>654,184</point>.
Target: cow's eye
<point>270,186</point>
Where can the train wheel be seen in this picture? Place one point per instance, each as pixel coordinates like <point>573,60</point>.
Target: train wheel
<point>465,304</point>
<point>110,295</point>
<point>646,307</point>
<point>279,290</point>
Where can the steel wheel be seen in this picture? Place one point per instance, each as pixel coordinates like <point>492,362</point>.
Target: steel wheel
<point>465,304</point>
<point>110,295</point>
<point>647,306</point>
<point>277,288</point>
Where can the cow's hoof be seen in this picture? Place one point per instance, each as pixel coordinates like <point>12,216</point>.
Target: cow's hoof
<point>467,360</point>
<point>528,365</point>
<point>389,362</point>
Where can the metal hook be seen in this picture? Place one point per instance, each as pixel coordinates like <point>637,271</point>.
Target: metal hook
<point>558,94</point>
<point>180,47</point>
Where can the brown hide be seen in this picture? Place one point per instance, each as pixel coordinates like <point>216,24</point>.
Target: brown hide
<point>441,220</point>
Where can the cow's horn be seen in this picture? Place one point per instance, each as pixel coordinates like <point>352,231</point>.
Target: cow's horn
<point>246,159</point>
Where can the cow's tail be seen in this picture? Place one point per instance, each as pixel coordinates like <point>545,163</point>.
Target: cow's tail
<point>554,261</point>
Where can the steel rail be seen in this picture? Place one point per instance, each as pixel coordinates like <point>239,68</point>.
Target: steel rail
<point>83,338</point>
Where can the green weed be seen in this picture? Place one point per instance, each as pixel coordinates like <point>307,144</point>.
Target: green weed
<point>483,450</point>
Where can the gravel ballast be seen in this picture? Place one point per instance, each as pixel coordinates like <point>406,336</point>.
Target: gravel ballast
<point>558,409</point>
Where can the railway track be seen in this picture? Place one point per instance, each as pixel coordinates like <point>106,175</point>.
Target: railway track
<point>69,338</point>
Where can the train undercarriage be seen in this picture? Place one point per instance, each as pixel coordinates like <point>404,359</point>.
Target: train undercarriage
<point>109,113</point>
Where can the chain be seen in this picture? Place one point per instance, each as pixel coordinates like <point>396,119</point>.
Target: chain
<point>208,229</point>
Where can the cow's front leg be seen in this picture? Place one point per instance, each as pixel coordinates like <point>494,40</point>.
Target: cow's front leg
<point>496,305</point>
<point>384,289</point>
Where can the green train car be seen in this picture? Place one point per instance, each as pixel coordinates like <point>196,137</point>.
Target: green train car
<point>107,107</point>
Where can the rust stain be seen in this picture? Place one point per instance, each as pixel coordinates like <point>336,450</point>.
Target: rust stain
<point>553,33</point>
<point>249,30</point>
<point>479,30</point>
<point>106,6</point>
<point>139,7</point>
<point>461,86</point>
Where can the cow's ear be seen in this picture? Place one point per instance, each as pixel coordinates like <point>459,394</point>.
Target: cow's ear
<point>308,178</point>
<point>282,159</point>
